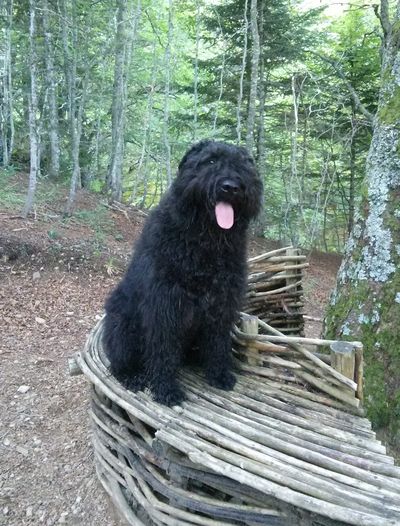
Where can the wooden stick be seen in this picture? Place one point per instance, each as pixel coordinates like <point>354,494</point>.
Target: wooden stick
<point>250,327</point>
<point>221,430</point>
<point>267,255</point>
<point>261,346</point>
<point>349,383</point>
<point>253,294</point>
<point>264,372</point>
<point>343,358</point>
<point>329,389</point>
<point>289,257</point>
<point>312,318</point>
<point>238,469</point>
<point>73,367</point>
<point>299,340</point>
<point>279,437</point>
<point>359,373</point>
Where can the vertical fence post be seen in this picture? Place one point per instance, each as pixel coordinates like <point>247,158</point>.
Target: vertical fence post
<point>249,325</point>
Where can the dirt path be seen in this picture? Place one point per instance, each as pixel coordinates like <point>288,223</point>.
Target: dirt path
<point>46,474</point>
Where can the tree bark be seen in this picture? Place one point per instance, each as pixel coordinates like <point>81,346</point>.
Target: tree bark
<point>196,72</point>
<point>259,225</point>
<point>54,166</point>
<point>352,186</point>
<point>70,49</point>
<point>118,105</point>
<point>293,193</point>
<point>366,302</point>
<point>255,59</point>
<point>33,110</point>
<point>124,39</point>
<point>261,150</point>
<point>167,88</point>
<point>141,171</point>
<point>6,105</point>
<point>221,75</point>
<point>242,74</point>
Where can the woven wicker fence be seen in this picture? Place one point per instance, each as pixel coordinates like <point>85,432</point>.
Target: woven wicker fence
<point>288,446</point>
<point>275,292</point>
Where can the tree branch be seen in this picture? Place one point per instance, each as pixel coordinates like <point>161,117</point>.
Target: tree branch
<point>358,104</point>
<point>384,18</point>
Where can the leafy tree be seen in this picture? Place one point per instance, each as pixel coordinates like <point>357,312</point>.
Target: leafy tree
<point>116,117</point>
<point>321,136</point>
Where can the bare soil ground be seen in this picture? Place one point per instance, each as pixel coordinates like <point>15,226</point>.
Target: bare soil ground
<point>54,276</point>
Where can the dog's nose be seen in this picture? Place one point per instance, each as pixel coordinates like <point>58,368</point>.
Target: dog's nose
<point>230,187</point>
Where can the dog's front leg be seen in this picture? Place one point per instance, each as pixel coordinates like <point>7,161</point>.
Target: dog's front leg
<point>216,352</point>
<point>163,357</point>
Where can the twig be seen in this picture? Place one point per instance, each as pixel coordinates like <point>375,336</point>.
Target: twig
<point>359,105</point>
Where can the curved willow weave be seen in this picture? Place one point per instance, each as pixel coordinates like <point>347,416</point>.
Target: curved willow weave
<point>275,451</point>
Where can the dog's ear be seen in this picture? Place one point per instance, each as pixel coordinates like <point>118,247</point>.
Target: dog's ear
<point>196,148</point>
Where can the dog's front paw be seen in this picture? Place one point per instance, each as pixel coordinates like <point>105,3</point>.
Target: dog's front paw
<point>225,380</point>
<point>169,396</point>
<point>136,383</point>
<point>132,382</point>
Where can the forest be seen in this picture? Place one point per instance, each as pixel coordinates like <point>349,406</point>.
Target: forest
<point>107,95</point>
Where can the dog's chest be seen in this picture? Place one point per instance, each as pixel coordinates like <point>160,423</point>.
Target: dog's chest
<point>208,269</point>
<point>212,286</point>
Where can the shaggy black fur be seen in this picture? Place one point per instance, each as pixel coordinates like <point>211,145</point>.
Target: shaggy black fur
<point>184,286</point>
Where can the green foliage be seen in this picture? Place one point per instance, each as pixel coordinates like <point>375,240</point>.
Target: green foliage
<point>53,234</point>
<point>11,196</point>
<point>316,154</point>
<point>50,191</point>
<point>96,186</point>
<point>97,219</point>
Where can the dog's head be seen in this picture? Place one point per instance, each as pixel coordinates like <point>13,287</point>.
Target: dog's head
<point>221,179</point>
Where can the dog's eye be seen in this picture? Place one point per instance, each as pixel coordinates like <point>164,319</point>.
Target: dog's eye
<point>211,161</point>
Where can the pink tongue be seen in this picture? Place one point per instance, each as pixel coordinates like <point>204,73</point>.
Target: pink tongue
<point>225,215</point>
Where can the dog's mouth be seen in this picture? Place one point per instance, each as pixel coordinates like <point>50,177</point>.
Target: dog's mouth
<point>224,215</point>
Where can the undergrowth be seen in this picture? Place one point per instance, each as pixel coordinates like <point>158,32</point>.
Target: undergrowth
<point>11,194</point>
<point>50,200</point>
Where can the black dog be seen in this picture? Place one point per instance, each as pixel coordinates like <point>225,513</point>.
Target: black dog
<point>185,283</point>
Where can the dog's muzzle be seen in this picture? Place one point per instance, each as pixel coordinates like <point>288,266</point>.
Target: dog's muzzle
<point>230,187</point>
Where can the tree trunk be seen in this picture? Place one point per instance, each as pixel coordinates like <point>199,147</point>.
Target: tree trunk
<point>255,59</point>
<point>221,75</point>
<point>6,105</point>
<point>196,72</point>
<point>260,225</point>
<point>33,110</point>
<point>54,166</point>
<point>70,76</point>
<point>118,105</point>
<point>242,73</point>
<point>141,171</point>
<point>95,160</point>
<point>366,302</point>
<point>353,153</point>
<point>167,94</point>
<point>124,39</point>
<point>293,192</point>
